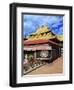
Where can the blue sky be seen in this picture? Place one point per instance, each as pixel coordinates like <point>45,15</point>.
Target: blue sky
<point>32,22</point>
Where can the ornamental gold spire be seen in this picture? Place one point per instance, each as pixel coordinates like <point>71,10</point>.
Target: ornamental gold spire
<point>43,32</point>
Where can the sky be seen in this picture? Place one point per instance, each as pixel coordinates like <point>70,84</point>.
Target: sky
<point>32,22</point>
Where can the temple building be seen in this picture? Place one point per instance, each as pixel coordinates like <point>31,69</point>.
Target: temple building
<point>43,44</point>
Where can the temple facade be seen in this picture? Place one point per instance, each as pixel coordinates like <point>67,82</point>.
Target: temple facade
<point>43,45</point>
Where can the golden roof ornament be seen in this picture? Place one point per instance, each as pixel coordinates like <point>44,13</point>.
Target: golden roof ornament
<point>43,32</point>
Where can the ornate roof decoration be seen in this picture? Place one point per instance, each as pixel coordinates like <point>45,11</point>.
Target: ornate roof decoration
<point>45,33</point>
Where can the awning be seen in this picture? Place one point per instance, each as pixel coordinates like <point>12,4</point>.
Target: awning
<point>36,42</point>
<point>37,47</point>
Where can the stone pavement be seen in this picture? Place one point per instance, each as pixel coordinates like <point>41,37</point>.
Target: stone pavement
<point>50,68</point>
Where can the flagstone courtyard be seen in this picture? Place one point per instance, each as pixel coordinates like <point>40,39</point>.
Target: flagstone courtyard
<point>49,68</point>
